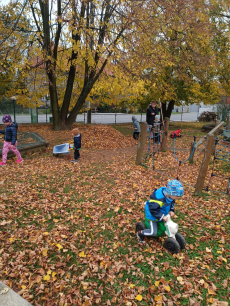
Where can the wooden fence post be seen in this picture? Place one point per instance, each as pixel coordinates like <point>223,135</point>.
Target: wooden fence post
<point>166,133</point>
<point>204,166</point>
<point>228,119</point>
<point>141,144</point>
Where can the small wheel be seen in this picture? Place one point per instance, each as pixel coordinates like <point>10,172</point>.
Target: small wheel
<point>140,226</point>
<point>172,245</point>
<point>181,240</point>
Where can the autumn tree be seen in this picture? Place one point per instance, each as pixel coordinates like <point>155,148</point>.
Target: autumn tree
<point>173,53</point>
<point>15,31</point>
<point>75,41</point>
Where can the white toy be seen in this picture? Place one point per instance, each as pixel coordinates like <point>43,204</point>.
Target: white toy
<point>171,227</point>
<point>175,241</point>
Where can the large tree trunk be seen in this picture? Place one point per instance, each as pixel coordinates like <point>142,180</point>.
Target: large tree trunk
<point>167,111</point>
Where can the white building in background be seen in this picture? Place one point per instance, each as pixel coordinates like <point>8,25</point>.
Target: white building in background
<point>194,108</point>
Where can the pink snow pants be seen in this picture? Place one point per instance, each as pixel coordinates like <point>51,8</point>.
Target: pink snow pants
<point>6,148</point>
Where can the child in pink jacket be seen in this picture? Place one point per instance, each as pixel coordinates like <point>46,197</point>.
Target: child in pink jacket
<point>10,140</point>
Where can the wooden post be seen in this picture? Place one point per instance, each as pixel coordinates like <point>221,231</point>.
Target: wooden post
<point>141,144</point>
<point>166,133</point>
<point>204,166</point>
<point>228,119</point>
<point>192,156</point>
<point>209,133</point>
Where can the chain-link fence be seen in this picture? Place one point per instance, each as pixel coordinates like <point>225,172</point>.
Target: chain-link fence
<point>22,114</point>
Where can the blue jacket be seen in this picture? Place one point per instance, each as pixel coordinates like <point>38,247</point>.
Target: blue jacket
<point>77,142</point>
<point>158,206</point>
<point>10,133</point>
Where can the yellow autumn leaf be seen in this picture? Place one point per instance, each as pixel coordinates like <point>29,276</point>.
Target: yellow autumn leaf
<point>82,254</point>
<point>224,259</point>
<point>23,287</point>
<point>44,252</point>
<point>116,209</point>
<point>53,274</point>
<point>12,239</point>
<point>158,298</point>
<point>46,278</point>
<point>49,272</point>
<point>138,297</point>
<point>46,233</point>
<point>210,300</point>
<point>157,283</point>
<point>167,288</point>
<point>59,246</point>
<point>132,285</point>
<point>56,220</point>
<point>210,291</point>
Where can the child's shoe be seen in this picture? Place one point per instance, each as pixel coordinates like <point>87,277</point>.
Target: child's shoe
<point>140,238</point>
<point>2,164</point>
<point>74,161</point>
<point>19,160</point>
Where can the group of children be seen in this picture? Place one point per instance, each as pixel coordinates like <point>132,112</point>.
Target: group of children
<point>161,201</point>
<point>10,141</point>
<point>10,138</point>
<point>153,129</point>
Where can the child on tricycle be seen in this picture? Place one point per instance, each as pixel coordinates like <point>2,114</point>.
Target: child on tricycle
<point>158,212</point>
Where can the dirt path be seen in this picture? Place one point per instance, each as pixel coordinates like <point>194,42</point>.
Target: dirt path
<point>100,156</point>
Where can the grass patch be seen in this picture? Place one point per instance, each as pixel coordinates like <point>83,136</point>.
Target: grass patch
<point>126,130</point>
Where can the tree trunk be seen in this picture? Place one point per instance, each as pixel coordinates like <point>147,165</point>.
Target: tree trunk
<point>168,111</point>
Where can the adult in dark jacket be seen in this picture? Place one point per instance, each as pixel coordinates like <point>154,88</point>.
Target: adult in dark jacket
<point>152,111</point>
<point>10,139</point>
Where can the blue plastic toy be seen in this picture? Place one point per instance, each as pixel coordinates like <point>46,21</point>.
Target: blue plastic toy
<point>62,149</point>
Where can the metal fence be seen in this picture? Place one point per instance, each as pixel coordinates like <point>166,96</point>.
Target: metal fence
<point>43,114</point>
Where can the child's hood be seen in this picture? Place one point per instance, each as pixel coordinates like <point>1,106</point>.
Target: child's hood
<point>159,194</point>
<point>78,135</point>
<point>134,119</point>
<point>13,124</point>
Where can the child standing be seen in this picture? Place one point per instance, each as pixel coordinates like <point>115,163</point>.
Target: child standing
<point>156,129</point>
<point>136,128</point>
<point>77,144</point>
<point>10,139</point>
<point>160,204</point>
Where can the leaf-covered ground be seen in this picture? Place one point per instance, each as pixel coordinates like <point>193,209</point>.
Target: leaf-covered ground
<point>67,230</point>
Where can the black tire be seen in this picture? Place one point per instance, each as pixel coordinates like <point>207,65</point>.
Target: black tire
<point>172,245</point>
<point>140,226</point>
<point>181,240</point>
